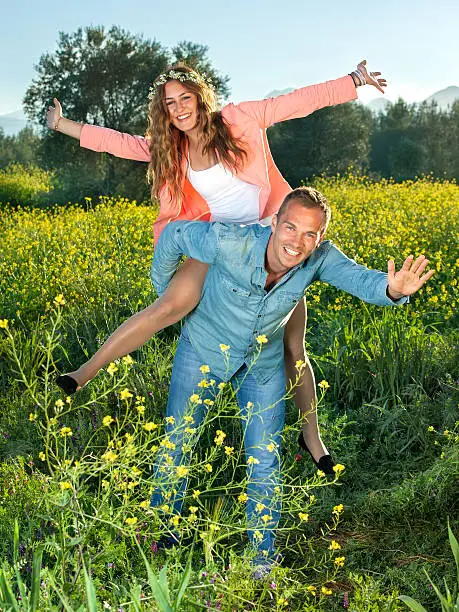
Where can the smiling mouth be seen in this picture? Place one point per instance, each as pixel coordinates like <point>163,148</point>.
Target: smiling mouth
<point>291,252</point>
<point>183,117</point>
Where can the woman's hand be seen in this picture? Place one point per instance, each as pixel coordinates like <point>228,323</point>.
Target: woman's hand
<point>372,78</point>
<point>54,114</point>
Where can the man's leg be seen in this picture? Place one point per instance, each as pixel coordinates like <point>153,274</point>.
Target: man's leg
<point>262,409</point>
<point>179,428</point>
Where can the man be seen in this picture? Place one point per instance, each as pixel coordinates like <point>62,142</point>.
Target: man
<point>256,277</point>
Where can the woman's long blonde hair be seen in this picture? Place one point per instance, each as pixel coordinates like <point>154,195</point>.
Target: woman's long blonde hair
<point>167,142</point>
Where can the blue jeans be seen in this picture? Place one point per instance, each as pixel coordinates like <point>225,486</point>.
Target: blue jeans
<point>262,411</point>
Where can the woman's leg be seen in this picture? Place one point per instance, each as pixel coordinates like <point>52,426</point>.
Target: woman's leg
<point>181,297</point>
<point>305,393</point>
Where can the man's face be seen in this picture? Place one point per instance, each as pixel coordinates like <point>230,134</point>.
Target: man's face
<point>295,235</point>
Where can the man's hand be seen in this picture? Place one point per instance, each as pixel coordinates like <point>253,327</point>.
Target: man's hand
<point>408,279</point>
<point>372,78</point>
<point>54,114</point>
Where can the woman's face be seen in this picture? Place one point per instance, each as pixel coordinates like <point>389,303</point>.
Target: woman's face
<point>182,105</point>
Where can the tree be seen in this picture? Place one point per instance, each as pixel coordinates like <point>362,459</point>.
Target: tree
<point>102,77</point>
<point>328,141</point>
<point>21,148</point>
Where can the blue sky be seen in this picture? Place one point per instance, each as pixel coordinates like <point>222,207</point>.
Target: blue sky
<point>261,45</point>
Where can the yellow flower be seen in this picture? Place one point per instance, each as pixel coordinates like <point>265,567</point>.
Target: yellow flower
<point>260,507</point>
<point>188,419</point>
<point>334,545</point>
<point>65,431</point>
<point>3,323</point>
<point>174,520</point>
<point>59,403</point>
<point>105,484</point>
<point>221,386</point>
<point>195,399</point>
<point>229,450</point>
<point>190,430</point>
<point>266,518</point>
<point>209,402</point>
<point>320,474</point>
<point>127,360</point>
<point>204,369</point>
<point>52,421</point>
<point>282,601</point>
<point>107,420</point>
<point>252,460</point>
<point>338,509</point>
<point>257,535</point>
<point>42,456</point>
<point>431,428</point>
<point>324,385</point>
<point>140,408</point>
<point>33,416</point>
<point>65,485</point>
<point>339,561</point>
<point>271,447</point>
<point>196,493</point>
<point>262,339</point>
<point>125,394</point>
<point>249,405</point>
<point>243,497</point>
<point>109,456</point>
<point>111,369</point>
<point>170,420</point>
<point>224,348</point>
<point>150,426</point>
<point>131,520</point>
<point>311,588</point>
<point>145,504</point>
<point>338,468</point>
<point>193,509</point>
<point>182,471</point>
<point>203,384</point>
<point>208,467</point>
<point>139,399</point>
<point>164,508</point>
<point>303,516</point>
<point>59,300</point>
<point>326,591</point>
<point>219,438</point>
<point>299,365</point>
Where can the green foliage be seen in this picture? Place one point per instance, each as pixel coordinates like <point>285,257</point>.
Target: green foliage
<point>21,148</point>
<point>327,142</point>
<point>24,186</point>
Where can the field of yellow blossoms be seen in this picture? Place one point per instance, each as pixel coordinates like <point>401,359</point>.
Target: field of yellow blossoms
<point>101,256</point>
<point>76,530</point>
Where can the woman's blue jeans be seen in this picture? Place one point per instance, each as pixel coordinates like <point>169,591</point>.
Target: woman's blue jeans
<point>262,412</point>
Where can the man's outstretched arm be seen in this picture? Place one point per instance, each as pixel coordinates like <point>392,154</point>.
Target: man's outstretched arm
<point>196,239</point>
<point>373,286</point>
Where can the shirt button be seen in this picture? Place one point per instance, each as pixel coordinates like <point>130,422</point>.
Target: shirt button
<point>259,316</point>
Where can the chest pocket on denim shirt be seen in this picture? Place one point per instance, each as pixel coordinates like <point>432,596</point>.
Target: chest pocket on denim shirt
<point>284,301</point>
<point>232,286</point>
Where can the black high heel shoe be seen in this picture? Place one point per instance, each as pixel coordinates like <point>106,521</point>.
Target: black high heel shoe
<point>325,463</point>
<point>68,384</point>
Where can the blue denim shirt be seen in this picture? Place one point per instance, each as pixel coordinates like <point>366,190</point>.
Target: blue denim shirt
<point>235,308</point>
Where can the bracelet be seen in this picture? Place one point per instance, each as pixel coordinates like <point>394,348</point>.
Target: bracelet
<point>358,74</point>
<point>57,124</point>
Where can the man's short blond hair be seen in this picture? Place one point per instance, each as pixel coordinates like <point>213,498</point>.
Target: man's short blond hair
<point>309,198</point>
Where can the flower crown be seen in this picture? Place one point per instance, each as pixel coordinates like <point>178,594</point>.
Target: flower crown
<point>174,75</point>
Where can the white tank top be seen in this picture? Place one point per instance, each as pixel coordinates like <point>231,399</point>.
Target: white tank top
<point>230,200</point>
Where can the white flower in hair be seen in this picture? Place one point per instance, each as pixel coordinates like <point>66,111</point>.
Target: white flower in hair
<point>183,77</point>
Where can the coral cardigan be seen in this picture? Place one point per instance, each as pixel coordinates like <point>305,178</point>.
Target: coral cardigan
<point>247,121</point>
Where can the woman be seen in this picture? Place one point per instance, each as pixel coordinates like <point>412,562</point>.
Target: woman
<point>214,165</point>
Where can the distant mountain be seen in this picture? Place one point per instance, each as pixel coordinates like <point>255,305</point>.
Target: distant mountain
<point>278,92</point>
<point>445,97</point>
<point>378,105</point>
<point>12,123</point>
